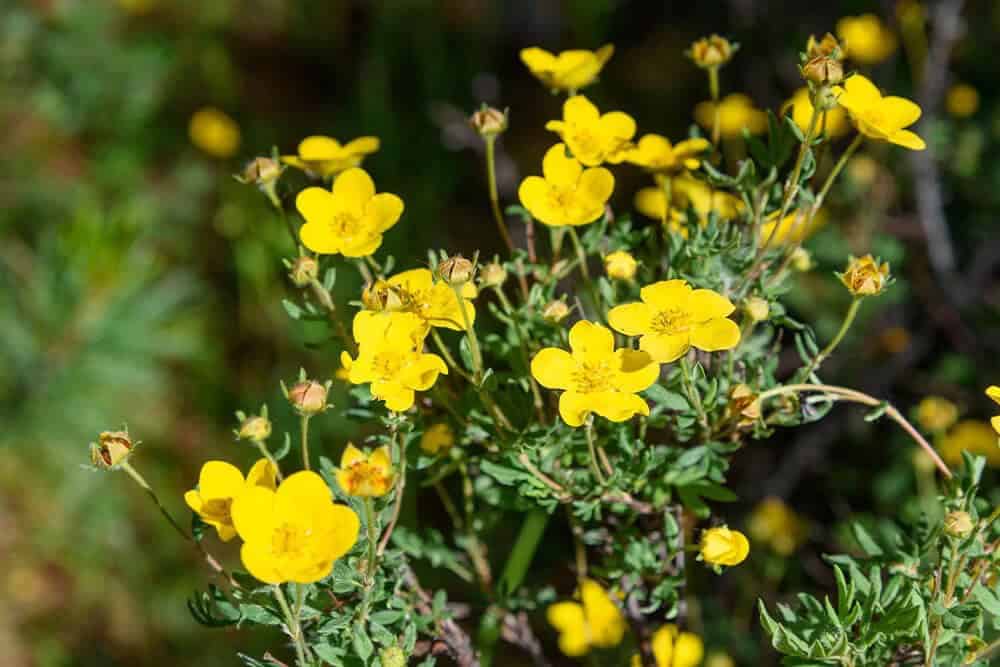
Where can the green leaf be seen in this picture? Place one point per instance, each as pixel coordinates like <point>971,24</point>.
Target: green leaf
<point>362,643</point>
<point>865,541</point>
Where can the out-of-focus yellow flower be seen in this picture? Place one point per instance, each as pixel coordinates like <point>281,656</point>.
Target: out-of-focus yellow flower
<point>595,376</point>
<point>802,109</point>
<point>348,220</point>
<point>962,100</point>
<point>971,436</point>
<point>994,393</point>
<point>936,414</point>
<point>416,292</point>
<point>568,194</point>
<point>295,533</point>
<point>655,153</point>
<point>801,260</point>
<point>570,70</point>
<point>325,156</point>
<point>724,546</point>
<point>555,311</point>
<point>687,192</point>
<point>877,117</point>
<point>364,476</point>
<point>673,317</point>
<point>391,357</point>
<point>594,622</point>
<point>620,265</point>
<point>863,169</point>
<point>437,439</point>
<point>736,112</point>
<point>865,276</point>
<point>593,137</point>
<point>673,648</point>
<point>711,52</point>
<point>793,227</point>
<point>866,39</point>
<point>214,132</point>
<point>894,339</point>
<point>773,523</point>
<point>219,484</point>
<point>719,659</point>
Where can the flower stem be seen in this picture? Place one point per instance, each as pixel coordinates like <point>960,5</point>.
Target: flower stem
<point>713,89</point>
<point>305,441</point>
<point>266,453</point>
<point>491,177</point>
<point>852,312</point>
<point>372,565</point>
<point>536,395</point>
<point>400,486</point>
<point>294,627</point>
<point>580,254</point>
<point>668,195</point>
<point>694,398</point>
<point>446,354</point>
<point>592,448</point>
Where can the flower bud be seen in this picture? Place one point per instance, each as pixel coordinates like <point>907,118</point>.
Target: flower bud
<point>489,122</point>
<point>255,428</point>
<point>958,524</point>
<point>865,276</point>
<point>757,309</point>
<point>712,51</point>
<point>456,270</point>
<point>308,397</point>
<point>801,260</point>
<point>493,275</point>
<point>111,449</point>
<point>261,171</point>
<point>555,311</point>
<point>392,656</point>
<point>303,271</point>
<point>620,265</point>
<point>724,546</point>
<point>823,71</point>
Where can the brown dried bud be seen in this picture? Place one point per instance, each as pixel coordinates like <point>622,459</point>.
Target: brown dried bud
<point>383,296</point>
<point>255,428</point>
<point>261,171</point>
<point>823,71</point>
<point>712,51</point>
<point>111,449</point>
<point>865,276</point>
<point>555,311</point>
<point>827,47</point>
<point>493,275</point>
<point>744,406</point>
<point>308,397</point>
<point>958,524</point>
<point>456,270</point>
<point>488,122</point>
<point>304,270</point>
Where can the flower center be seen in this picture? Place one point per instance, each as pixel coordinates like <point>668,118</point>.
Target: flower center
<point>366,478</point>
<point>345,225</point>
<point>587,141</point>
<point>289,540</point>
<point>671,321</point>
<point>560,198</point>
<point>387,363</point>
<point>218,509</point>
<point>590,378</point>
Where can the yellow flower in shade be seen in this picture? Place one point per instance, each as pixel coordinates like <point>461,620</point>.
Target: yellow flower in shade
<point>724,546</point>
<point>877,117</point>
<point>326,156</point>
<point>673,317</point>
<point>793,227</point>
<point>962,100</point>
<point>391,358</point>
<point>866,39</point>
<point>595,376</point>
<point>620,265</point>
<point>865,276</point>
<point>416,292</point>
<point>673,648</point>
<point>568,194</point>
<point>773,523</point>
<point>971,436</point>
<point>348,220</point>
<point>569,70</point>
<point>364,476</point>
<point>593,137</point>
<point>219,484</point>
<point>214,132</point>
<point>437,439</point>
<point>687,192</point>
<point>994,393</point>
<point>801,109</point>
<point>294,533</point>
<point>655,153</point>
<point>736,112</point>
<point>593,622</point>
<point>936,414</point>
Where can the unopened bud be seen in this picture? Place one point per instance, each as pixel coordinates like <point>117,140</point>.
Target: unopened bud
<point>493,275</point>
<point>261,171</point>
<point>111,449</point>
<point>620,265</point>
<point>865,276</point>
<point>757,309</point>
<point>456,270</point>
<point>303,271</point>
<point>308,397</point>
<point>392,656</point>
<point>712,51</point>
<point>255,428</point>
<point>958,524</point>
<point>555,311</point>
<point>489,122</point>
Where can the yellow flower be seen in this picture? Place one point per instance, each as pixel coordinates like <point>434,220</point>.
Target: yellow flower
<point>777,525</point>
<point>416,292</point>
<point>962,100</point>
<point>973,436</point>
<point>568,194</point>
<point>620,265</point>
<point>936,414</point>
<point>594,622</point>
<point>214,132</point>
<point>364,476</point>
<point>687,192</point>
<point>348,220</point>
<point>672,317</point>
<point>655,153</point>
<point>802,109</point>
<point>736,112</point>
<point>219,484</point>
<point>570,70</point>
<point>866,39</point>
<point>724,546</point>
<point>391,357</point>
<point>793,227</point>
<point>673,648</point>
<point>877,117</point>
<point>294,533</point>
<point>595,376</point>
<point>437,439</point>
<point>994,393</point>
<point>865,276</point>
<point>326,156</point>
<point>593,137</point>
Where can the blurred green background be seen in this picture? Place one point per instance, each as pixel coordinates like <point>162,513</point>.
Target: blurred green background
<point>141,284</point>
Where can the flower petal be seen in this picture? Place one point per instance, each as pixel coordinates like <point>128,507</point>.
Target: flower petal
<point>907,139</point>
<point>219,479</point>
<point>423,372</point>
<point>351,456</point>
<point>638,371</point>
<point>631,319</point>
<point>993,391</point>
<point>706,304</point>
<point>414,280</point>
<point>362,146</point>
<point>651,202</point>
<point>259,562</point>
<point>667,294</point>
<point>596,186</point>
<point>618,124</point>
<point>383,211</point>
<point>566,616</point>
<point>618,407</point>
<point>578,110</point>
<point>717,334</point>
<point>560,169</point>
<point>901,111</point>
<point>353,188</point>
<point>665,348</point>
<point>574,407</point>
<point>318,148</point>
<point>346,526</point>
<point>263,473</point>
<point>253,514</point>
<point>315,204</point>
<point>591,342</point>
<point>553,368</point>
<point>537,59</point>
